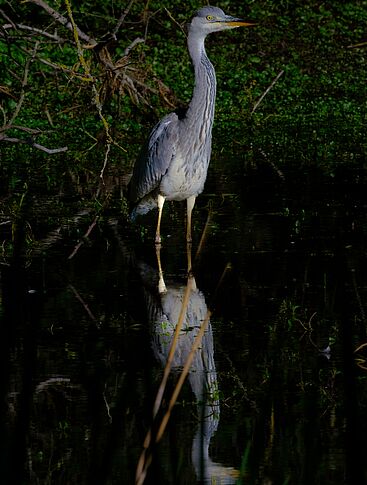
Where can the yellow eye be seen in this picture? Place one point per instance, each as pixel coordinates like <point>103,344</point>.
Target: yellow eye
<point>209,17</point>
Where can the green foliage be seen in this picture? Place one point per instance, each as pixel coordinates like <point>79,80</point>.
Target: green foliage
<point>320,95</point>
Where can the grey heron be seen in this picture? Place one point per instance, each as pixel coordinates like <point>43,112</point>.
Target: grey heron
<point>173,163</point>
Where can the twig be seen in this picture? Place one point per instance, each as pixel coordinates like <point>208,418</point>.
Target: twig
<point>354,46</point>
<point>275,80</point>
<point>122,18</point>
<point>174,20</point>
<point>105,160</point>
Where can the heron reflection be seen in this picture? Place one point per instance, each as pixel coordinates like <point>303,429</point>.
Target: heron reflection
<point>164,301</point>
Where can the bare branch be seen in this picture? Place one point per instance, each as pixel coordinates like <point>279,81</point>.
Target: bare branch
<point>33,30</point>
<point>64,21</point>
<point>51,151</point>
<point>7,18</point>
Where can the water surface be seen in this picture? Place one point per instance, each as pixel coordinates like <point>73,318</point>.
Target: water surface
<point>276,393</point>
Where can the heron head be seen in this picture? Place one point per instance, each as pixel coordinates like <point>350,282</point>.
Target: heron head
<point>213,19</point>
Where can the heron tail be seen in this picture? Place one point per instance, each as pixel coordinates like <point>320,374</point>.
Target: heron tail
<point>144,205</point>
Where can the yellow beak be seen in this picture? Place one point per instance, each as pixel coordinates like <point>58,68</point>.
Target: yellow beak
<point>239,23</point>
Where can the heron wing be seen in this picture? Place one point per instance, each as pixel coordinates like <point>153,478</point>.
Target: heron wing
<point>154,158</point>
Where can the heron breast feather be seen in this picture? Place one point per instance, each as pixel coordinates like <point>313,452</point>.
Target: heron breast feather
<point>184,178</point>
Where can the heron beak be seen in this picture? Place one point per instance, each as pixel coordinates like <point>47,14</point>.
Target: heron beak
<point>234,22</point>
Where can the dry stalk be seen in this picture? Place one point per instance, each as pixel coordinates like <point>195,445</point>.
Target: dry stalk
<point>204,234</point>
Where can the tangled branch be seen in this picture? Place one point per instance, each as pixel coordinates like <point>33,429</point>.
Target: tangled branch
<point>8,125</point>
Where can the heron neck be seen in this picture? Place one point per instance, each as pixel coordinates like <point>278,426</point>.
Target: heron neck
<point>201,107</point>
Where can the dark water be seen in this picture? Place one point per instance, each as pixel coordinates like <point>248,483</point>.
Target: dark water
<point>277,391</point>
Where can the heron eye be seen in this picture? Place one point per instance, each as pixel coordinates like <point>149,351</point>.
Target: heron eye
<point>209,17</point>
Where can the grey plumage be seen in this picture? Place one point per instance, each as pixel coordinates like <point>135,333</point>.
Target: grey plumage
<point>173,164</point>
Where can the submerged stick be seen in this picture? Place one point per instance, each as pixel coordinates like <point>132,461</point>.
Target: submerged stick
<point>83,303</point>
<point>86,235</point>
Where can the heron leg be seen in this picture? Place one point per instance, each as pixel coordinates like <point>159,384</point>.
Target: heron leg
<point>190,274</point>
<point>161,285</point>
<point>161,200</point>
<point>190,205</point>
